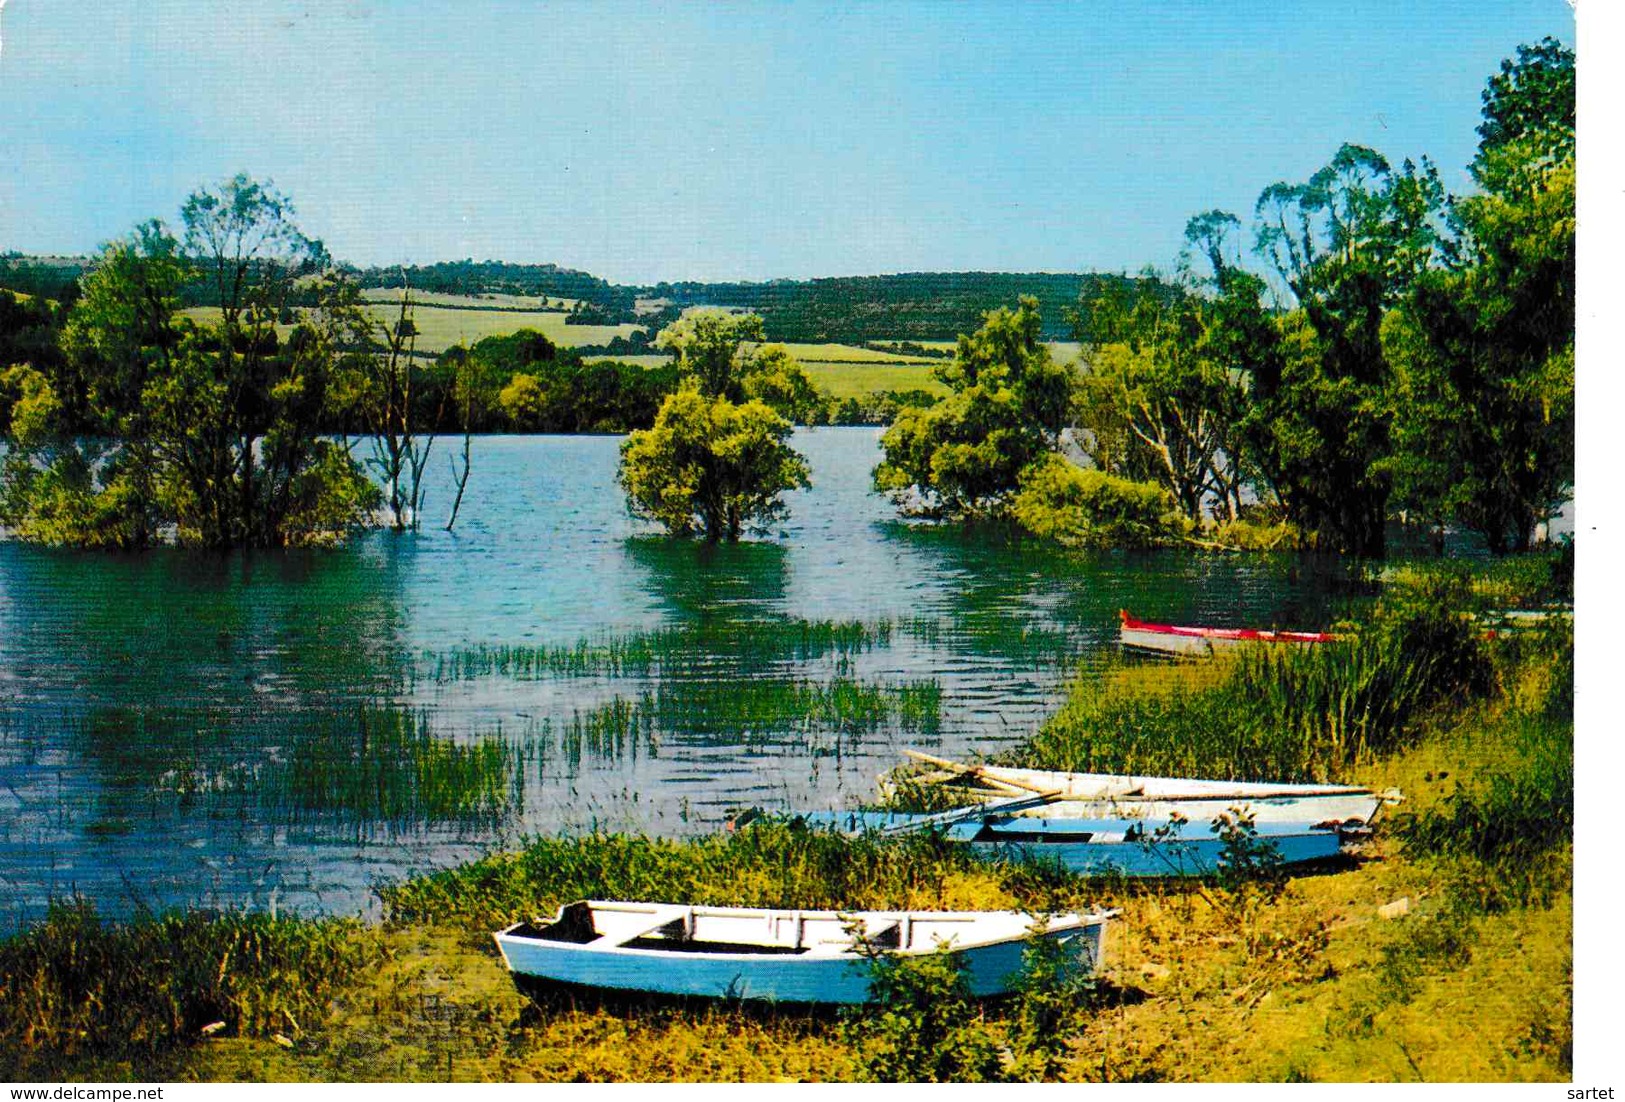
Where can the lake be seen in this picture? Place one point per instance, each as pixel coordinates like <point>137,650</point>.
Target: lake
<point>298,726</point>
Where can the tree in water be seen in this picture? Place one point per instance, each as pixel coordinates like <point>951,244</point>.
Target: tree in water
<point>1160,404</point>
<point>1348,244</point>
<point>964,456</point>
<point>712,465</point>
<point>400,448</point>
<point>1483,405</point>
<point>211,426</point>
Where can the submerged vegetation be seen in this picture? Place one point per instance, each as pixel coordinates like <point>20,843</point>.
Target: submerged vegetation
<point>764,707</point>
<point>751,644</point>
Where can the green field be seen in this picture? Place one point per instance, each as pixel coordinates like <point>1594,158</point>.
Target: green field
<point>854,380</point>
<point>844,370</point>
<point>469,302</point>
<point>849,353</point>
<point>440,327</point>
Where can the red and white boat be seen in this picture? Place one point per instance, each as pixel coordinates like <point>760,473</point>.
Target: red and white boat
<point>1200,642</point>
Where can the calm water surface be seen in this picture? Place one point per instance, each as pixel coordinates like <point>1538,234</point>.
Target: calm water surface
<point>181,728</point>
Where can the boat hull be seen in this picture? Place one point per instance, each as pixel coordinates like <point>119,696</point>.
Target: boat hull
<point>1201,642</point>
<point>1314,810</point>
<point>1113,796</point>
<point>815,976</point>
<point>1096,786</point>
<point>1100,846</point>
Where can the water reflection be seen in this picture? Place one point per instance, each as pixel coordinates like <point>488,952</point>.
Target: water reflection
<point>701,583</point>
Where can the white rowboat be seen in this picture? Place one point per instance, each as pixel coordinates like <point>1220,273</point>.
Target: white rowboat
<point>778,955</point>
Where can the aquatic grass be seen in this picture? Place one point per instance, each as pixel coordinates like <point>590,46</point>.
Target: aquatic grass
<point>385,764</point>
<point>76,987</point>
<point>743,646</point>
<point>748,644</point>
<point>768,864</point>
<point>755,708</point>
<point>376,764</point>
<point>1303,714</point>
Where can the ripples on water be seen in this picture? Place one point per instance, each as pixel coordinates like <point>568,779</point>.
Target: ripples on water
<point>186,728</point>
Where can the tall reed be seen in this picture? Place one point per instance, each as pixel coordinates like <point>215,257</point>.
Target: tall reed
<point>74,986</point>
<point>1270,713</point>
<point>386,764</point>
<point>758,707</point>
<point>747,644</point>
<point>766,865</point>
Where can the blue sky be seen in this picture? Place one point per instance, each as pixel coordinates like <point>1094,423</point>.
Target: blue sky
<point>694,141</point>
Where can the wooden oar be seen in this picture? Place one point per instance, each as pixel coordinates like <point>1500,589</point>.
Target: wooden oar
<point>950,770</point>
<point>974,771</point>
<point>1038,798</point>
<point>980,773</point>
<point>974,811</point>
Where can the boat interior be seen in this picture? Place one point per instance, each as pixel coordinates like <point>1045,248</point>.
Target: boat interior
<point>680,928</point>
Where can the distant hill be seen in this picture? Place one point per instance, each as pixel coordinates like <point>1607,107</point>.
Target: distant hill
<point>477,277</point>
<point>931,306</point>
<point>43,276</point>
<point>913,306</point>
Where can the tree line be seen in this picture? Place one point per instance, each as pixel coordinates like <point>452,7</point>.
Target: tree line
<point>1390,350</point>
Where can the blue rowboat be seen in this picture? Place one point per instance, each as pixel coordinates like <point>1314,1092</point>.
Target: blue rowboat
<point>1114,796</point>
<point>785,956</point>
<point>1095,846</point>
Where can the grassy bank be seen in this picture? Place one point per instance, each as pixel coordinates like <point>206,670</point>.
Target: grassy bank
<point>1443,952</point>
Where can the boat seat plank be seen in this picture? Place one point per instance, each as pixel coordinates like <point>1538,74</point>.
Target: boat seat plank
<point>662,918</point>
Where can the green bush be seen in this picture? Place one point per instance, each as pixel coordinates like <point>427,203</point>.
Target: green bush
<point>920,1024</point>
<point>1258,535</point>
<point>710,467</point>
<point>1510,822</point>
<point>770,864</point>
<point>1087,508</point>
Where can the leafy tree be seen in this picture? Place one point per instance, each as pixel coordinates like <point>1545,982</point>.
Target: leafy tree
<point>707,345</point>
<point>211,427</point>
<point>1166,408</point>
<point>566,395</point>
<point>710,466</point>
<point>30,333</point>
<point>523,399</point>
<point>1530,100</point>
<point>1484,401</point>
<point>772,376</point>
<point>964,455</point>
<point>1348,244</point>
<point>237,421</point>
<point>715,463</point>
<point>1090,508</point>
